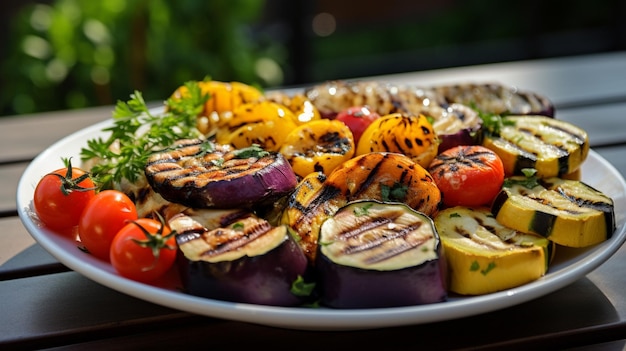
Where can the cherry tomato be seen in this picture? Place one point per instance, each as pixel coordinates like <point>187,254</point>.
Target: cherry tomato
<point>143,250</point>
<point>103,217</point>
<point>61,196</point>
<point>357,118</point>
<point>467,175</point>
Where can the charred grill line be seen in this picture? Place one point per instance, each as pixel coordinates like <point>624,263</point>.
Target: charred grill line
<point>368,181</point>
<point>234,239</point>
<point>352,249</point>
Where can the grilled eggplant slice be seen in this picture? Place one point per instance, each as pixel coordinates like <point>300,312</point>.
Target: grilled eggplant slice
<point>495,98</point>
<point>568,212</point>
<point>484,256</point>
<point>375,254</point>
<point>202,174</point>
<point>248,261</point>
<point>553,147</point>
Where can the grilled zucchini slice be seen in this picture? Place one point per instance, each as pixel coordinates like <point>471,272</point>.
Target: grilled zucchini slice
<point>568,212</point>
<point>552,147</point>
<point>484,256</point>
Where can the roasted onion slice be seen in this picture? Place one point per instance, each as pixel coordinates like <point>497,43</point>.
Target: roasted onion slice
<point>202,174</point>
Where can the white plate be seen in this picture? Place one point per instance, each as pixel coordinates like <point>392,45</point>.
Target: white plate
<point>569,265</point>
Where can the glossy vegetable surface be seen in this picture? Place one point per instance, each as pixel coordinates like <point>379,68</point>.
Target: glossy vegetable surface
<point>203,174</point>
<point>467,175</point>
<point>318,146</point>
<point>264,123</point>
<point>104,216</point>
<point>246,261</point>
<point>357,118</point>
<point>485,256</point>
<point>568,212</point>
<point>375,254</point>
<point>409,135</point>
<point>143,250</point>
<point>60,197</point>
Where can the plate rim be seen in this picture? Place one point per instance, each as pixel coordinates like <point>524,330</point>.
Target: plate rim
<point>303,318</point>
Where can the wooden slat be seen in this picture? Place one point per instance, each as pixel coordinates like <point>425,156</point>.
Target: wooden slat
<point>26,136</point>
<point>13,238</point>
<point>9,177</point>
<point>100,313</point>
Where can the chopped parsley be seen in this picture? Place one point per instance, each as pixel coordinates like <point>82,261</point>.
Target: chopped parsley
<point>300,287</point>
<point>475,266</point>
<point>362,210</point>
<point>530,179</point>
<point>397,192</point>
<point>137,132</point>
<point>251,151</point>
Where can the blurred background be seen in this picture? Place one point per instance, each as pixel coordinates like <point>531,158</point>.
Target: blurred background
<point>64,54</point>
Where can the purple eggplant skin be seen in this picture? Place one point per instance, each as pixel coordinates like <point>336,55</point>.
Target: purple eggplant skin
<point>265,279</point>
<point>468,133</point>
<point>346,287</point>
<point>376,254</point>
<point>262,187</point>
<point>221,178</point>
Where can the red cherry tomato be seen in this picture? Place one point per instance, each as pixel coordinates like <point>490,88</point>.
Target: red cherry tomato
<point>467,175</point>
<point>103,217</point>
<point>143,250</point>
<point>357,118</point>
<point>61,196</point>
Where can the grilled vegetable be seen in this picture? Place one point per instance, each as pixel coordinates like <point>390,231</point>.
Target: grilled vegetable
<point>247,261</point>
<point>485,256</point>
<point>203,174</point>
<point>307,207</point>
<point>357,118</point>
<point>552,147</point>
<point>223,98</point>
<point>374,254</point>
<point>318,146</point>
<point>387,177</point>
<point>334,96</point>
<point>302,108</point>
<point>495,98</point>
<point>457,125</point>
<point>263,123</point>
<point>470,175</point>
<point>410,135</point>
<point>568,212</point>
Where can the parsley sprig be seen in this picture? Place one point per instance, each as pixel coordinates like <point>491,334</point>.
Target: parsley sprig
<point>137,131</point>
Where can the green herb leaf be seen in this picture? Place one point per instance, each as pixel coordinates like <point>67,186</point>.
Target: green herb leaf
<point>362,210</point>
<point>136,132</point>
<point>301,288</point>
<point>251,151</point>
<point>530,179</point>
<point>397,192</point>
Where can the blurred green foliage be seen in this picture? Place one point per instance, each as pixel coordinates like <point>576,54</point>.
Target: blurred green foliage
<point>77,53</point>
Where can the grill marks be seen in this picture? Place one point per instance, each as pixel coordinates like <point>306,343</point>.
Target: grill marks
<point>190,165</point>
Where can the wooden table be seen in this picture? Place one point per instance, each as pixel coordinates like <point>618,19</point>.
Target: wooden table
<point>44,305</point>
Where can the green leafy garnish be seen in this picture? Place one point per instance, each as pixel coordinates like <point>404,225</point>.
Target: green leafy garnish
<point>362,210</point>
<point>300,287</point>
<point>530,179</point>
<point>492,123</point>
<point>253,150</point>
<point>137,132</point>
<point>397,192</point>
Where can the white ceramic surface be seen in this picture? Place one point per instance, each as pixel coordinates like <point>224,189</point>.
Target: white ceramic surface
<point>569,265</point>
